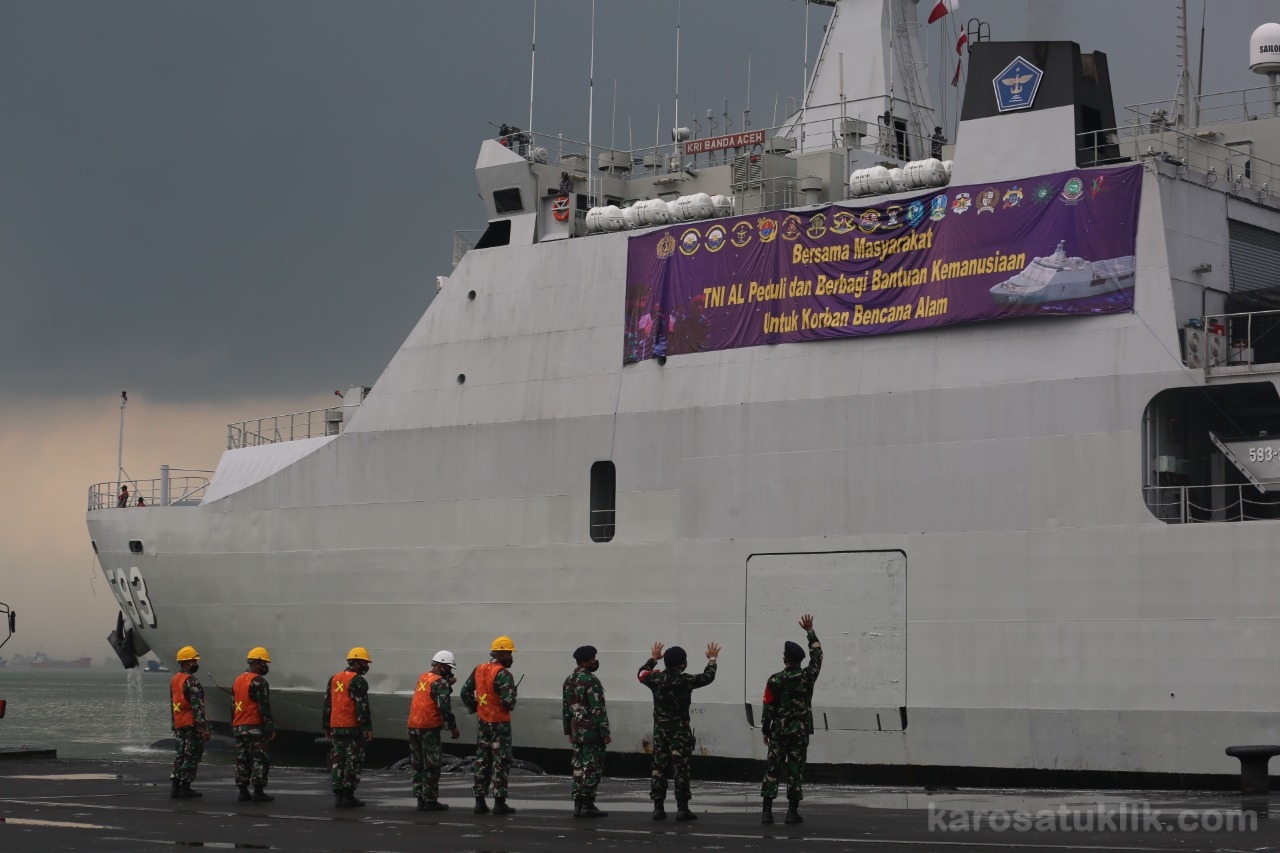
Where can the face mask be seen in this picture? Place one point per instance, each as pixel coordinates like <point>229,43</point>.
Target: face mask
<point>194,667</point>
<point>593,666</point>
<point>265,669</point>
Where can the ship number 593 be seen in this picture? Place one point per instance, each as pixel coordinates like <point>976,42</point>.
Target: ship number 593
<point>1263,454</point>
<point>130,590</point>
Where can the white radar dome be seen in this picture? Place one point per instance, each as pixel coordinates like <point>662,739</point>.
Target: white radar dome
<point>1264,49</point>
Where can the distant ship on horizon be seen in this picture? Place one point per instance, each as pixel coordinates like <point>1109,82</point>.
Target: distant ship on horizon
<point>44,661</point>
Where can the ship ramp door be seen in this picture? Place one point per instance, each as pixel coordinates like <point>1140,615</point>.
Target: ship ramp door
<point>859,603</point>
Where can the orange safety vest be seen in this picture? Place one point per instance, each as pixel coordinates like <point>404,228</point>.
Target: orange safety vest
<point>183,716</point>
<point>423,712</point>
<point>342,708</point>
<point>488,707</point>
<point>245,712</point>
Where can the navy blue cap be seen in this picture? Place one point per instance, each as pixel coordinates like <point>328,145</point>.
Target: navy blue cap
<point>674,656</point>
<point>582,654</point>
<point>792,651</point>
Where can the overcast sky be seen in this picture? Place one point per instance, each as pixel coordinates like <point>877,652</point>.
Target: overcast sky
<point>232,208</point>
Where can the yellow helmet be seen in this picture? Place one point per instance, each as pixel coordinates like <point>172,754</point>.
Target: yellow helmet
<point>359,653</point>
<point>187,653</point>
<point>258,653</point>
<point>503,644</point>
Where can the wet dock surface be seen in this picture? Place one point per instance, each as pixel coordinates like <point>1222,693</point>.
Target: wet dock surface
<point>114,806</point>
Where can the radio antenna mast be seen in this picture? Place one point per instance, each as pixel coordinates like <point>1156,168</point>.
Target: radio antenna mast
<point>533,62</point>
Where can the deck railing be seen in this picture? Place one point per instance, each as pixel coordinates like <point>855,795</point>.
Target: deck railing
<point>278,428</point>
<point>1210,503</point>
<point>1252,342</point>
<point>165,490</point>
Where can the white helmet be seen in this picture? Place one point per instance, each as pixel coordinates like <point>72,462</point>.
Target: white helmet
<point>444,656</point>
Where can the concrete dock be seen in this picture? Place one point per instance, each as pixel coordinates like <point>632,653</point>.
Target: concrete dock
<point>114,806</point>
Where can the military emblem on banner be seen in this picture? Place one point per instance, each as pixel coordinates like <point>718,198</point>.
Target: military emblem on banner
<point>842,222</point>
<point>915,213</point>
<point>869,221</point>
<point>715,238</point>
<point>1072,190</point>
<point>987,200</point>
<point>892,216</point>
<point>961,203</point>
<point>791,227</point>
<point>939,208</point>
<point>666,246</point>
<point>742,233</point>
<point>1013,196</point>
<point>1042,194</point>
<point>690,241</point>
<point>817,226</point>
<point>768,229</point>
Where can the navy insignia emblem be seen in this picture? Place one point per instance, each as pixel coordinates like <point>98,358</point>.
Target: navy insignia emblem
<point>742,233</point>
<point>666,246</point>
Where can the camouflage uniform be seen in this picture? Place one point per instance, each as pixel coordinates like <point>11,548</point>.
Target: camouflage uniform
<point>493,740</point>
<point>424,745</point>
<point>346,745</point>
<point>672,736</point>
<point>253,758</point>
<point>188,741</point>
<point>787,722</point>
<point>586,722</point>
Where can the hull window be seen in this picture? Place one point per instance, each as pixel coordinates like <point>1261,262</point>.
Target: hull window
<point>135,546</point>
<point>604,491</point>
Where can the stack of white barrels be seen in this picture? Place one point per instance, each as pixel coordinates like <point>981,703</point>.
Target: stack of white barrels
<point>916,175</point>
<point>655,211</point>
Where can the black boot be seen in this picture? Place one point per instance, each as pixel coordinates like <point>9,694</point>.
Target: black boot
<point>682,811</point>
<point>433,806</point>
<point>259,795</point>
<point>244,794</point>
<point>766,813</point>
<point>481,806</point>
<point>185,792</point>
<point>339,800</point>
<point>422,804</point>
<point>176,790</point>
<point>500,806</point>
<point>793,812</point>
<point>349,798</point>
<point>577,807</point>
<point>659,810</point>
<point>589,809</point>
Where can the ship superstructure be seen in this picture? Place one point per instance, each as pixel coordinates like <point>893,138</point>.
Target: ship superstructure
<point>990,515</point>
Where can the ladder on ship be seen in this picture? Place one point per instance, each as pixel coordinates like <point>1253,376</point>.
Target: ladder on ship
<point>921,118</point>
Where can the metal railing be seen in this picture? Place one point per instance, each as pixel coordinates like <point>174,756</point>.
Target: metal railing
<point>1210,503</point>
<point>165,490</point>
<point>602,525</point>
<point>278,428</point>
<point>1232,105</point>
<point>463,242</point>
<point>1252,342</point>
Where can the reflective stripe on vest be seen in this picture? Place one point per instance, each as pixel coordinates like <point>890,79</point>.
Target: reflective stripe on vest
<point>488,706</point>
<point>180,708</point>
<point>244,711</point>
<point>423,712</point>
<point>342,708</point>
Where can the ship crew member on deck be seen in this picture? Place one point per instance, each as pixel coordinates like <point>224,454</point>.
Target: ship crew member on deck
<point>429,712</point>
<point>672,736</point>
<point>348,725</point>
<point>123,499</point>
<point>586,724</point>
<point>787,723</point>
<point>490,693</point>
<point>566,184</point>
<point>190,727</point>
<point>936,142</point>
<point>252,726</point>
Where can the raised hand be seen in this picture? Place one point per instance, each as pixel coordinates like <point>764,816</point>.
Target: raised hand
<point>656,652</point>
<point>713,651</point>
<point>806,622</point>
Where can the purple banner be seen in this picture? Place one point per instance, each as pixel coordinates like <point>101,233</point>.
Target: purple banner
<point>1056,244</point>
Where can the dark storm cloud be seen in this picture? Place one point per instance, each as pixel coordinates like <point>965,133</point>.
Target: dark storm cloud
<point>207,199</point>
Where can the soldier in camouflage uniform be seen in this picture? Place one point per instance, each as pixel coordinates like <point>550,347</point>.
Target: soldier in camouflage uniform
<point>586,724</point>
<point>787,723</point>
<point>348,725</point>
<point>490,693</point>
<point>429,712</point>
<point>190,726</point>
<point>252,726</point>
<point>672,737</point>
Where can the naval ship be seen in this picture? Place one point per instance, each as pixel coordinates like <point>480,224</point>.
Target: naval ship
<point>689,393</point>
<point>1058,278</point>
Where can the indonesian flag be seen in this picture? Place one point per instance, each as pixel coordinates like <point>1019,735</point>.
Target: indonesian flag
<point>943,7</point>
<point>955,78</point>
<point>961,42</point>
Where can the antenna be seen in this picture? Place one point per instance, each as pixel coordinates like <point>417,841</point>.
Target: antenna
<point>679,9</point>
<point>804,88</point>
<point>1182,98</point>
<point>124,401</point>
<point>533,62</point>
<point>591,99</point>
<point>613,121</point>
<point>1200,74</point>
<point>746,114</point>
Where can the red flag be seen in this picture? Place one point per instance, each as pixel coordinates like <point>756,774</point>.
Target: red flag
<point>961,42</point>
<point>955,78</point>
<point>942,8</point>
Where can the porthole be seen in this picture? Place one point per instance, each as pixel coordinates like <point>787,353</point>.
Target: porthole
<point>462,378</point>
<point>471,296</point>
<point>135,546</point>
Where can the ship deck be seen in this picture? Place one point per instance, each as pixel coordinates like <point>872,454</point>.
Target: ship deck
<point>109,806</point>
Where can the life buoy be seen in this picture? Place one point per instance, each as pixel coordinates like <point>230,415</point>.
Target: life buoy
<point>560,208</point>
